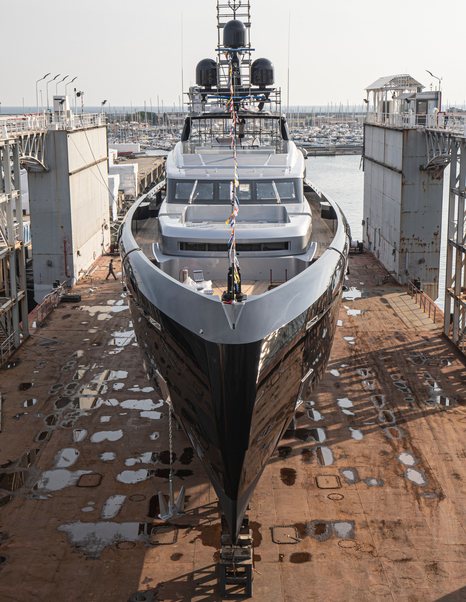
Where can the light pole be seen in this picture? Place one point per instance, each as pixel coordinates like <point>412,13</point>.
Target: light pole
<point>47,88</point>
<point>58,83</point>
<point>70,82</point>
<point>37,89</point>
<point>439,79</point>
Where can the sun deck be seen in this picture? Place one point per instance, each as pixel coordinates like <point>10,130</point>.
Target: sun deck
<point>273,268</point>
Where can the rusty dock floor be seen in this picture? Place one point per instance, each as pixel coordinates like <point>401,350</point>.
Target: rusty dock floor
<point>365,500</point>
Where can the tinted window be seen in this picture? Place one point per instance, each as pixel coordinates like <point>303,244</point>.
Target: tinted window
<point>286,190</point>
<point>183,191</point>
<point>265,191</point>
<point>204,192</point>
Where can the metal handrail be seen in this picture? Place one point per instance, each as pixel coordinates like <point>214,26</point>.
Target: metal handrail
<point>6,348</point>
<point>48,304</point>
<point>449,122</point>
<point>23,124</point>
<point>425,303</point>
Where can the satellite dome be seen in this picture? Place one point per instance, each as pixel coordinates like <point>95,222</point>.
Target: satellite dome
<point>234,34</point>
<point>262,73</point>
<point>206,73</point>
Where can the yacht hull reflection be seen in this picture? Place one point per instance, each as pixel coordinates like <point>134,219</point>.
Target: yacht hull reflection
<point>235,401</point>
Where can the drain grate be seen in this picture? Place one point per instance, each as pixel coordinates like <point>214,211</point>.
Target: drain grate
<point>163,536</point>
<point>328,481</point>
<point>285,534</point>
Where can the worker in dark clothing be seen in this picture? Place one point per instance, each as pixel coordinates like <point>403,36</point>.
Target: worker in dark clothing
<point>111,271</point>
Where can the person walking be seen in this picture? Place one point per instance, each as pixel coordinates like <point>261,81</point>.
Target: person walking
<point>111,271</point>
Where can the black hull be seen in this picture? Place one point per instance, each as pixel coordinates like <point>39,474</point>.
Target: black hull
<point>235,400</point>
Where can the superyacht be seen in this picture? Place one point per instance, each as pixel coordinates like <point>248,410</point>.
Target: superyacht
<point>235,271</point>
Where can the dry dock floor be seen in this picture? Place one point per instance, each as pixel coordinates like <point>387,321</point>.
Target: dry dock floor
<point>366,500</point>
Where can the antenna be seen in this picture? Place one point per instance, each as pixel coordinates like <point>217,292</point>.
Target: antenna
<point>288,76</point>
<point>182,60</point>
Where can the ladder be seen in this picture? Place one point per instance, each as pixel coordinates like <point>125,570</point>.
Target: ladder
<point>226,11</point>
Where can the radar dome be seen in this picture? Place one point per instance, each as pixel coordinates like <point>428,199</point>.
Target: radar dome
<point>206,73</point>
<point>262,73</point>
<point>234,34</point>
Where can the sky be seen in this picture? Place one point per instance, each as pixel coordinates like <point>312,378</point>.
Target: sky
<point>132,52</point>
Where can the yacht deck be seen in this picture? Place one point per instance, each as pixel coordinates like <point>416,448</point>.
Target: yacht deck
<point>146,233</point>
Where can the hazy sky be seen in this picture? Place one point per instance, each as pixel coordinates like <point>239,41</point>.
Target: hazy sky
<point>130,52</point>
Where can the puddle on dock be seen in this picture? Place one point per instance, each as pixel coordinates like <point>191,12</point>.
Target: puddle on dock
<point>187,456</point>
<point>137,389</point>
<point>394,432</point>
<point>122,339</point>
<point>284,451</point>
<point>144,458</point>
<point>105,419</point>
<point>352,294</point>
<point>356,434</point>
<point>440,400</point>
<point>314,415</point>
<point>151,415</point>
<point>93,538</point>
<point>365,372</point>
<point>66,457</point>
<point>118,386</point>
<point>106,436</point>
<point>387,417</point>
<point>300,557</point>
<point>141,404</point>
<point>166,458</point>
<point>407,459</point>
<point>416,476</point>
<point>117,375</point>
<point>313,434</point>
<point>324,455</point>
<point>103,312</point>
<point>344,404</point>
<point>59,478</point>
<point>351,475</point>
<point>288,476</point>
<point>29,403</point>
<point>130,477</point>
<point>107,456</point>
<point>112,506</point>
<point>373,482</point>
<point>378,401</point>
<point>344,529</point>
<point>79,435</point>
<point>320,530</point>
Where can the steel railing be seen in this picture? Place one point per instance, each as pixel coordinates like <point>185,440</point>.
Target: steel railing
<point>12,126</point>
<point>428,306</point>
<point>49,303</point>
<point>6,348</point>
<point>443,121</point>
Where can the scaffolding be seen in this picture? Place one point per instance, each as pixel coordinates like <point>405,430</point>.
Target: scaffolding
<point>455,289</point>
<point>13,297</point>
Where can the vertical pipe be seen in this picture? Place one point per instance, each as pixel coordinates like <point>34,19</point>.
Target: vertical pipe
<point>450,235</point>
<point>457,310</point>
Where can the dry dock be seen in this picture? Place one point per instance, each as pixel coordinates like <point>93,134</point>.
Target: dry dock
<point>366,500</point>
